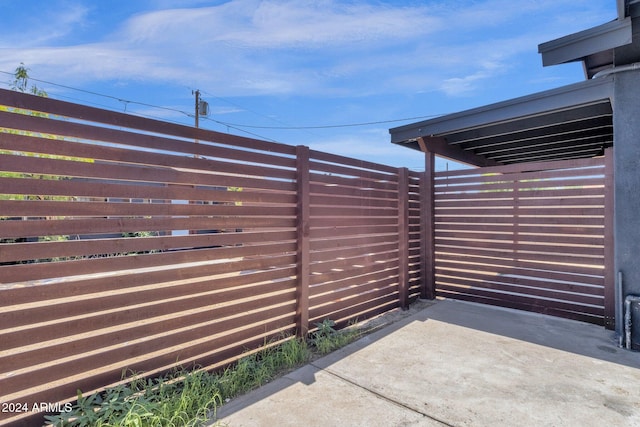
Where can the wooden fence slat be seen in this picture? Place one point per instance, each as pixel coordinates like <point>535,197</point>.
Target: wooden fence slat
<point>342,173</point>
<point>506,186</point>
<point>466,218</point>
<point>348,242</point>
<point>358,163</point>
<point>577,230</point>
<point>360,211</point>
<point>508,264</point>
<point>355,192</point>
<point>561,290</point>
<point>544,309</point>
<point>346,253</point>
<point>532,178</point>
<point>530,299</point>
<point>362,261</point>
<point>355,271</point>
<point>77,189</point>
<point>98,170</point>
<point>101,226</point>
<point>335,200</point>
<point>531,238</point>
<point>570,192</point>
<point>39,331</point>
<point>331,282</point>
<point>526,167</point>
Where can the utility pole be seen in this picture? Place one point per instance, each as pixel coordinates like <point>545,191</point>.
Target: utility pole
<point>201,109</point>
<point>197,115</point>
<point>197,94</point>
<point>197,125</point>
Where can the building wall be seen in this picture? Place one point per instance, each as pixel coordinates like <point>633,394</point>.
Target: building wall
<point>626,123</point>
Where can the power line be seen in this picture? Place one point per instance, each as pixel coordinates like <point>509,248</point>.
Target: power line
<point>238,129</point>
<point>236,126</point>
<point>144,104</point>
<point>235,104</point>
<point>125,101</point>
<point>344,125</point>
<point>289,127</point>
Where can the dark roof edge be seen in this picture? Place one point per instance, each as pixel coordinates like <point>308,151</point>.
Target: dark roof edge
<point>575,47</point>
<point>555,99</point>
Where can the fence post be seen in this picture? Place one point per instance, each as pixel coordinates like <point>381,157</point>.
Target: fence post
<point>609,273</point>
<point>403,237</point>
<point>427,217</point>
<point>303,257</point>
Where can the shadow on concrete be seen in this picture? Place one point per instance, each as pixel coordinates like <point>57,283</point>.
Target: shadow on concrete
<point>484,352</point>
<point>561,334</point>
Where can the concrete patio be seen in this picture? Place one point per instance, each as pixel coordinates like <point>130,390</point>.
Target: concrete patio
<point>458,364</point>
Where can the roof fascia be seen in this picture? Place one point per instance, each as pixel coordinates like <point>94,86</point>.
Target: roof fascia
<point>576,46</point>
<point>530,105</point>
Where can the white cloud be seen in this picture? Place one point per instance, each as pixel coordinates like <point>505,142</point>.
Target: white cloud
<point>281,24</point>
<point>46,25</point>
<point>243,47</point>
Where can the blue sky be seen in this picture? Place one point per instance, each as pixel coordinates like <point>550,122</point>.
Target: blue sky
<point>294,71</point>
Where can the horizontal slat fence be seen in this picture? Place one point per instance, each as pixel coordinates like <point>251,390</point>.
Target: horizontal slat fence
<point>359,253</point>
<point>130,243</point>
<point>529,236</point>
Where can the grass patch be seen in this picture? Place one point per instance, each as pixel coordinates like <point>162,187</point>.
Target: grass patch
<point>258,368</point>
<point>180,398</point>
<point>326,339</point>
<point>190,398</point>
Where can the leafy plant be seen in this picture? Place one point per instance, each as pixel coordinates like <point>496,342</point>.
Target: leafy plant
<point>261,367</point>
<point>191,397</point>
<point>327,339</point>
<point>181,398</point>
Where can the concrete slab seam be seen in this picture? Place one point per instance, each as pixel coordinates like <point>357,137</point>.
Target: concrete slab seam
<point>383,397</point>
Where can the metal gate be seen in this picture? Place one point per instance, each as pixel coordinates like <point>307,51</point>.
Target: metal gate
<point>534,236</point>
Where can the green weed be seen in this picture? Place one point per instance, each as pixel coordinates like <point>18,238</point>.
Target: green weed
<point>180,398</point>
<point>326,339</point>
<point>191,397</point>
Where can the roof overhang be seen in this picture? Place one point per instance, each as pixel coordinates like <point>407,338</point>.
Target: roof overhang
<point>599,48</point>
<point>574,121</point>
<point>599,41</point>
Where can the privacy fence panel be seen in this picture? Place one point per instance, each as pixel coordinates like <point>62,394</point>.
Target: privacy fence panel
<point>531,236</point>
<point>359,239</point>
<point>130,243</point>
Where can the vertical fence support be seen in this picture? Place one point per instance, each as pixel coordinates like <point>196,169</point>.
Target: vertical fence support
<point>303,257</point>
<point>403,237</point>
<point>609,273</point>
<point>516,221</point>
<point>427,217</point>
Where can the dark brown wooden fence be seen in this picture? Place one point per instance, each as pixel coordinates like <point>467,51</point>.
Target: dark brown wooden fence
<point>130,243</point>
<point>534,236</point>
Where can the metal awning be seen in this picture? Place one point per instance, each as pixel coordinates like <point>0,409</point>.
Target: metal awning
<point>594,47</point>
<point>574,121</point>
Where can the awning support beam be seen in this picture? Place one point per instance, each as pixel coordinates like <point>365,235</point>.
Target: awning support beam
<point>439,146</point>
